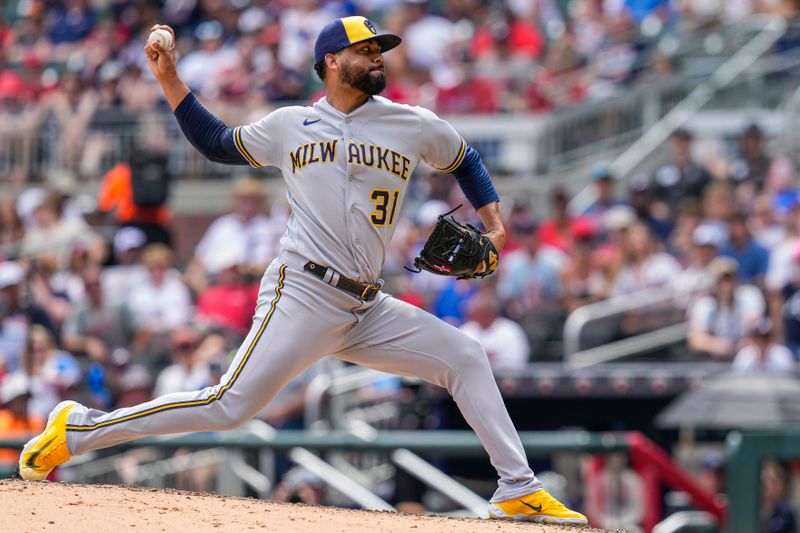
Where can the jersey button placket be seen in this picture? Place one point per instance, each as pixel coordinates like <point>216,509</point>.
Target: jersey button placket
<point>348,138</point>
<point>352,190</point>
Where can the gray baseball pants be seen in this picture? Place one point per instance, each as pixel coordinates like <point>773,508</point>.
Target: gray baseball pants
<point>300,319</point>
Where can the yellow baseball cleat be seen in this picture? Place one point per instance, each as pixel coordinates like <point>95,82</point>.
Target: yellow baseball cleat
<point>49,449</point>
<point>538,506</point>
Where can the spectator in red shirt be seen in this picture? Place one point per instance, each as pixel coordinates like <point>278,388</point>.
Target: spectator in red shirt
<point>559,230</point>
<point>229,301</point>
<point>555,230</point>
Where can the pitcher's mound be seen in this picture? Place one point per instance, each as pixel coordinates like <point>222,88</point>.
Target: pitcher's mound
<point>67,508</point>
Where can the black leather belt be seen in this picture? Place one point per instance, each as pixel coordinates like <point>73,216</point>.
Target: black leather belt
<point>362,291</point>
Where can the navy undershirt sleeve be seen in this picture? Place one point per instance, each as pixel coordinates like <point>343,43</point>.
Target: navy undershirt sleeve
<point>474,180</point>
<point>207,133</point>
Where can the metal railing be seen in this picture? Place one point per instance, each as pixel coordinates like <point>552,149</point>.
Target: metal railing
<point>635,345</point>
<point>449,443</point>
<point>687,521</point>
<point>578,319</point>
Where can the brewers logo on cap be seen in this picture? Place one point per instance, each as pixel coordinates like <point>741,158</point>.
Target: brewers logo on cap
<point>350,30</point>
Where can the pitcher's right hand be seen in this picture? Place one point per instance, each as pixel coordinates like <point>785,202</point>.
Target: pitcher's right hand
<point>161,60</point>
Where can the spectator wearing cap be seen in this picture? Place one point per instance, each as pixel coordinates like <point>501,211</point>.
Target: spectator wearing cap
<point>15,420</point>
<point>249,233</point>
<point>119,278</point>
<point>503,339</point>
<point>529,277</point>
<point>753,259</point>
<point>695,280</point>
<point>95,326</point>
<point>160,302</point>
<point>201,68</point>
<point>719,322</point>
<point>229,301</point>
<point>616,223</point>
<point>762,354</point>
<point>17,315</point>
<point>604,182</point>
<point>188,370</point>
<point>682,177</point>
<point>753,163</point>
<point>583,279</point>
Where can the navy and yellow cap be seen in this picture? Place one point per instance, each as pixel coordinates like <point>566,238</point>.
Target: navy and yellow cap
<point>350,30</point>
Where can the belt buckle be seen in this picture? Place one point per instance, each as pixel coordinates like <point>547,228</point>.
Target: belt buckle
<point>370,291</point>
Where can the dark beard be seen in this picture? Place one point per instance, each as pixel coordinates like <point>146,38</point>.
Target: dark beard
<point>363,80</point>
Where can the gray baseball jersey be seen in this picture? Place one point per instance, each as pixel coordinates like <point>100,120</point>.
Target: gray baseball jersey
<point>346,174</point>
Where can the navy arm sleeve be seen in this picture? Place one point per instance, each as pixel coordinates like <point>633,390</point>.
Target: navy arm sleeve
<point>474,180</point>
<point>207,133</point>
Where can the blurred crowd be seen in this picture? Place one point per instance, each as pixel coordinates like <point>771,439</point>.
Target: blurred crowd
<point>78,65</point>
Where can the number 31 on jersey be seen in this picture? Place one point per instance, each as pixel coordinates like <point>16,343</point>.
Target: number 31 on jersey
<point>385,204</point>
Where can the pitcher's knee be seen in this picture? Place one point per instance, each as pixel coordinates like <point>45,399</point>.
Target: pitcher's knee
<point>470,354</point>
<point>227,417</point>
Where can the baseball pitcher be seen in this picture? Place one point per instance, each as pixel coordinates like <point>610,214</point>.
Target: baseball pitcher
<point>346,161</point>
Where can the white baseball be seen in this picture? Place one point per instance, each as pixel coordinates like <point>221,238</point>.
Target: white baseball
<point>162,37</point>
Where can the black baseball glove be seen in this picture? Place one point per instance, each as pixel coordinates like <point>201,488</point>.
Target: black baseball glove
<point>455,249</point>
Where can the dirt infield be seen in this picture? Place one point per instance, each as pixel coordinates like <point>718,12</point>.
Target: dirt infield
<point>67,508</point>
